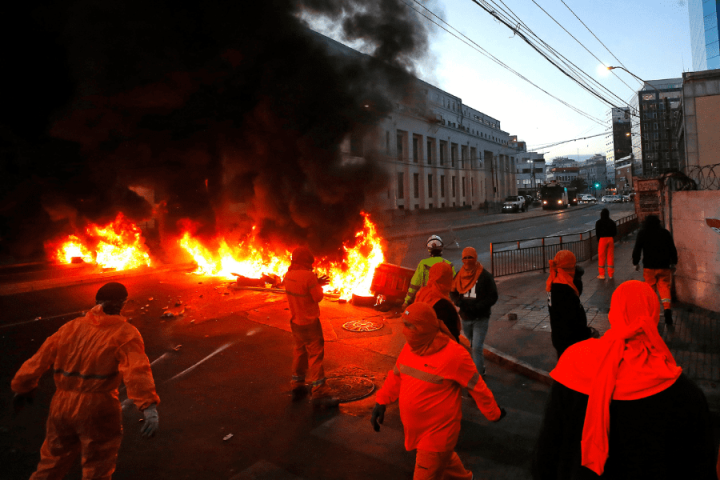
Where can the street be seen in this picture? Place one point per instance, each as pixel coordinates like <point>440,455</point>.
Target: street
<point>223,368</point>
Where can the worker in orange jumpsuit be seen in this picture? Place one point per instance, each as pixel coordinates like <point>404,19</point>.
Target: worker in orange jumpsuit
<point>89,357</point>
<point>304,293</point>
<point>427,378</point>
<point>605,230</point>
<point>659,257</point>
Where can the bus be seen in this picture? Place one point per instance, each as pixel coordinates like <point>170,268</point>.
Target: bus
<point>554,196</point>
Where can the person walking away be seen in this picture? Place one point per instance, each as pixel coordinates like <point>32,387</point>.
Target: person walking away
<point>621,408</point>
<point>474,292</point>
<point>89,356</point>
<point>427,378</point>
<point>659,257</point>
<point>605,229</point>
<point>437,294</point>
<point>422,272</point>
<point>567,315</point>
<point>304,293</point>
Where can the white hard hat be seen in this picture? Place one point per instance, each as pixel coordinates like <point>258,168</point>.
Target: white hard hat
<point>434,243</point>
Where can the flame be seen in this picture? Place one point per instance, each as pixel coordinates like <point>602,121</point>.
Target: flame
<point>117,245</point>
<point>251,259</point>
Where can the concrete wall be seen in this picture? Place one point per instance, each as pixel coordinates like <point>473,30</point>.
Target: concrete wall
<point>697,279</point>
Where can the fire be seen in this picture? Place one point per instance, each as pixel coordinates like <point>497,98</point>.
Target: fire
<point>249,259</point>
<point>117,245</point>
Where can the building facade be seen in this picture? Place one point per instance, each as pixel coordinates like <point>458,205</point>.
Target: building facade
<point>623,175</point>
<point>618,143</point>
<point>704,38</point>
<point>530,173</point>
<point>594,171</point>
<point>698,125</point>
<point>659,100</point>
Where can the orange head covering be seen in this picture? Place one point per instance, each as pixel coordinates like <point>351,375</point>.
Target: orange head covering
<point>469,273</point>
<point>439,284</point>
<point>301,259</point>
<point>562,270</point>
<point>424,332</point>
<point>629,362</point>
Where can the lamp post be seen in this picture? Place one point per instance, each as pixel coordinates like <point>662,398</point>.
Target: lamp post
<point>668,127</point>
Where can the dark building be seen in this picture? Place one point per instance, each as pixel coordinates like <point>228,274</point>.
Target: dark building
<point>659,101</point>
<point>618,143</point>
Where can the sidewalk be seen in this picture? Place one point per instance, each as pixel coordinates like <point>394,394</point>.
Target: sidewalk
<point>524,343</point>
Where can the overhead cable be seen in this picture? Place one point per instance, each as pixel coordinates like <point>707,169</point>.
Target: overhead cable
<point>475,46</point>
<point>545,147</point>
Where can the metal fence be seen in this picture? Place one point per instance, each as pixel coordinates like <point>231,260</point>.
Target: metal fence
<point>526,255</point>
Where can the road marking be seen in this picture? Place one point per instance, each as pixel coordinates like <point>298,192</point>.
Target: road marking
<point>38,319</point>
<point>189,369</point>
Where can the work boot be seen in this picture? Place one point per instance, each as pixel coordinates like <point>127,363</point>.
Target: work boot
<point>601,277</point>
<point>668,317</point>
<point>298,393</point>
<point>322,397</point>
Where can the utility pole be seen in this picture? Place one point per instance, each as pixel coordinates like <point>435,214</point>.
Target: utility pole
<point>668,130</point>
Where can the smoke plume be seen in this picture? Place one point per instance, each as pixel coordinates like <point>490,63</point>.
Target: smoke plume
<point>233,113</point>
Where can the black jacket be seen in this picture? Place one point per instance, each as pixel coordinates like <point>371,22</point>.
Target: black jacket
<point>446,312</point>
<point>605,228</point>
<point>666,436</point>
<point>657,247</point>
<point>486,296</point>
<point>567,317</point>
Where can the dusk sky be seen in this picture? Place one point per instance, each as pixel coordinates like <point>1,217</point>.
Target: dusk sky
<point>650,37</point>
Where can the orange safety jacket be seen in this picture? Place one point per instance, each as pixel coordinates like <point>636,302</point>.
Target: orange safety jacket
<point>429,391</point>
<point>91,354</point>
<point>304,294</point>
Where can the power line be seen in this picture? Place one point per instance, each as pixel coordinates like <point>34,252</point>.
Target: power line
<point>472,44</point>
<point>545,147</point>
<point>571,70</point>
<point>596,38</point>
<point>582,45</point>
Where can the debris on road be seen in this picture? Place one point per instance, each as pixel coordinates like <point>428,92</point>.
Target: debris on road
<point>177,348</point>
<point>227,437</point>
<point>174,312</point>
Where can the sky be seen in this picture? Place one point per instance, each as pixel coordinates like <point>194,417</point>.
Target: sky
<point>650,37</point>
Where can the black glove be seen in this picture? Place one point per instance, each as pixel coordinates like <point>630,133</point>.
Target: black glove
<point>378,416</point>
<point>20,399</point>
<point>502,414</point>
<point>324,280</point>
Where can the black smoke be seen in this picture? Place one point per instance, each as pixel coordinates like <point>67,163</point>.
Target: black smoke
<point>211,104</point>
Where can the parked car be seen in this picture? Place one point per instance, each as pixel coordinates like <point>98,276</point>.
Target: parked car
<point>587,199</point>
<point>612,199</point>
<point>514,203</point>
<point>626,198</point>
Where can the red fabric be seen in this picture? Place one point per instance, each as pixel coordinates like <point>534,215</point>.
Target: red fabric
<point>428,388</point>
<point>304,294</point>
<point>662,279</point>
<point>606,255</point>
<point>562,270</point>
<point>467,277</point>
<point>301,259</point>
<point>424,332</point>
<point>439,284</point>
<point>439,466</point>
<point>308,354</point>
<point>89,356</point>
<point>631,361</point>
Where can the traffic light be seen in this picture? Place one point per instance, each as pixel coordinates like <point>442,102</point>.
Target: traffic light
<point>597,185</point>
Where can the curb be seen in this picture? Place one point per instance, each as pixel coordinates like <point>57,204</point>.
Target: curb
<point>13,289</point>
<point>475,225</point>
<point>516,365</point>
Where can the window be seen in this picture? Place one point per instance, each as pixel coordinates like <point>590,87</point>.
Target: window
<point>399,145</point>
<point>429,151</point>
<point>415,150</point>
<point>442,187</point>
<point>429,186</point>
<point>443,152</point>
<point>463,186</point>
<point>453,154</point>
<point>416,185</point>
<point>387,142</point>
<point>453,187</point>
<point>400,186</point>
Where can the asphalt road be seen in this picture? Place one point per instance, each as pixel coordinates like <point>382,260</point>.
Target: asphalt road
<point>565,222</point>
<point>223,368</point>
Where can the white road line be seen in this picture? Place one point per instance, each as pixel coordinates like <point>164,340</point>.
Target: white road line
<point>189,369</point>
<point>41,318</point>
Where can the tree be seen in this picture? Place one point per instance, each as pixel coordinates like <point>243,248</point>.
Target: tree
<point>580,184</point>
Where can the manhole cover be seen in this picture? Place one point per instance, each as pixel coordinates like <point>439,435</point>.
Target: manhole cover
<point>349,388</point>
<point>362,326</point>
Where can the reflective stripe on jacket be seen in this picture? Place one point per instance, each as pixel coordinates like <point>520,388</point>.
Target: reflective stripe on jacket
<point>92,354</point>
<point>422,275</point>
<point>429,391</point>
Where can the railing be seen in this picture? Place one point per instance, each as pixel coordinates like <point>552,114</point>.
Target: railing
<point>526,255</point>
